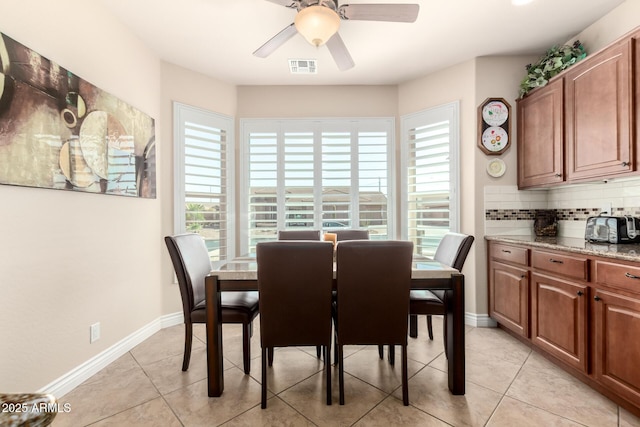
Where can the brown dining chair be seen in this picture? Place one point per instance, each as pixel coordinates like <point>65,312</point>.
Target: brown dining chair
<point>351,234</point>
<point>192,264</point>
<point>299,235</point>
<point>452,251</point>
<point>373,281</point>
<point>295,279</point>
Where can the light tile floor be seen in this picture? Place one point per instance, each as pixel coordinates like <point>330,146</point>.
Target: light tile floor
<point>507,385</point>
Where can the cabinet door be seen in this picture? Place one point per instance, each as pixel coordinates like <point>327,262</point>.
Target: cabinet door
<point>540,136</point>
<point>509,297</point>
<point>599,108</point>
<point>559,319</point>
<point>617,328</point>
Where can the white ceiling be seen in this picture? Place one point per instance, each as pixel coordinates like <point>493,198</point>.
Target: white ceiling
<point>217,37</point>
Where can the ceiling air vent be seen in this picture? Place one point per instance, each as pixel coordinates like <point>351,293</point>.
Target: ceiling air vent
<point>303,66</point>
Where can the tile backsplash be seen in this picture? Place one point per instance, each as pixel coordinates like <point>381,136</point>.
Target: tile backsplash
<point>511,211</point>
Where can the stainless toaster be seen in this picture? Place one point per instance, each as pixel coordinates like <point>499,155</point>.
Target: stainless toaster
<point>612,229</point>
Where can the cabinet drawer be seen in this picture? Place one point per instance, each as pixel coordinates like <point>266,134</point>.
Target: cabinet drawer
<point>512,254</point>
<point>565,265</point>
<point>618,275</point>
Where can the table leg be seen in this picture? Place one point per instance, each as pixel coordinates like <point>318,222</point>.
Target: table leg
<point>215,376</point>
<point>455,335</point>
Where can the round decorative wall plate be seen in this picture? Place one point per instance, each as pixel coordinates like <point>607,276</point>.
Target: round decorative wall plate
<point>496,168</point>
<point>494,126</point>
<point>495,139</point>
<point>495,113</point>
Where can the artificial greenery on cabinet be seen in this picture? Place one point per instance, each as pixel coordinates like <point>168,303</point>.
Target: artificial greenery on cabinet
<point>555,60</point>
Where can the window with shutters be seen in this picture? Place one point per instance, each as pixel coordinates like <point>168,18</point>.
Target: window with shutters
<point>315,174</point>
<point>203,176</point>
<point>429,177</point>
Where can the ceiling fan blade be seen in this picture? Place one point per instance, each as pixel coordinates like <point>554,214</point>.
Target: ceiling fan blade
<point>276,41</point>
<point>293,4</point>
<point>339,52</point>
<point>380,12</point>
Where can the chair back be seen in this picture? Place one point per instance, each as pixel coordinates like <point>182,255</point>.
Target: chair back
<point>299,235</point>
<point>453,250</point>
<point>295,279</point>
<point>374,280</point>
<point>351,235</point>
<point>192,264</point>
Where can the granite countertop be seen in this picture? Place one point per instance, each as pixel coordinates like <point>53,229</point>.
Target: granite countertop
<point>627,252</point>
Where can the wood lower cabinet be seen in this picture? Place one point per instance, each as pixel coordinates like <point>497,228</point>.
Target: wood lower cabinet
<point>559,318</point>
<point>509,287</point>
<point>510,303</point>
<point>617,347</point>
<point>582,310</point>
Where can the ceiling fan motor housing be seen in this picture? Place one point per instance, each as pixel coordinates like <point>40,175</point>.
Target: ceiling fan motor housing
<point>331,4</point>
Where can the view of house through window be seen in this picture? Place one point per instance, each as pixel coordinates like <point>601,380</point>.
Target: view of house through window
<point>202,175</point>
<point>430,170</point>
<point>316,174</point>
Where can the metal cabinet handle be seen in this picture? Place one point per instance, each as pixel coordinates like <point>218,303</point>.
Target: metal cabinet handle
<point>580,293</point>
<point>631,276</point>
<point>597,298</point>
<point>625,164</point>
<point>506,251</point>
<point>523,276</point>
<point>557,261</point>
<point>558,175</point>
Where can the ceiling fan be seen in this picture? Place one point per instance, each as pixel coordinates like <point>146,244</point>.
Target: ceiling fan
<point>318,21</point>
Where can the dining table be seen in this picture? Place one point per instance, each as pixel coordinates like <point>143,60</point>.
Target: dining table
<point>241,274</point>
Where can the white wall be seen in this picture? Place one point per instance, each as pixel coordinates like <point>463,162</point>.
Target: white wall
<point>70,259</point>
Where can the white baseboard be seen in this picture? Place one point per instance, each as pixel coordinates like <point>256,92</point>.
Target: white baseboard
<point>80,374</point>
<point>479,320</point>
<point>169,320</point>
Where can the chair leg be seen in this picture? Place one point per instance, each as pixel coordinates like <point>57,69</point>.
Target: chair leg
<point>335,349</point>
<point>327,370</point>
<point>270,356</point>
<point>405,377</point>
<point>381,351</point>
<point>318,351</point>
<point>246,347</point>
<point>188,337</point>
<point>263,401</point>
<point>413,325</point>
<point>341,374</point>
<point>392,354</point>
<point>430,327</point>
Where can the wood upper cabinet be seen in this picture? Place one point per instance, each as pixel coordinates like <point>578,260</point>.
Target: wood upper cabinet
<point>559,318</point>
<point>599,114</point>
<point>540,136</point>
<point>617,347</point>
<point>509,287</point>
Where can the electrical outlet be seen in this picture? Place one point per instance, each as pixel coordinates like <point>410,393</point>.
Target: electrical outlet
<point>606,208</point>
<point>95,332</point>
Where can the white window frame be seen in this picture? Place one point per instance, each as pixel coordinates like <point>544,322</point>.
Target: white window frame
<point>182,113</point>
<point>317,125</point>
<point>450,112</point>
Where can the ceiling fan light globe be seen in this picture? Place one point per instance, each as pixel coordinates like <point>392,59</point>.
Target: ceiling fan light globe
<point>317,24</point>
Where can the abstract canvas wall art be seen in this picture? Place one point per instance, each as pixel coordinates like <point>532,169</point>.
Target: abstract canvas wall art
<point>59,131</point>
